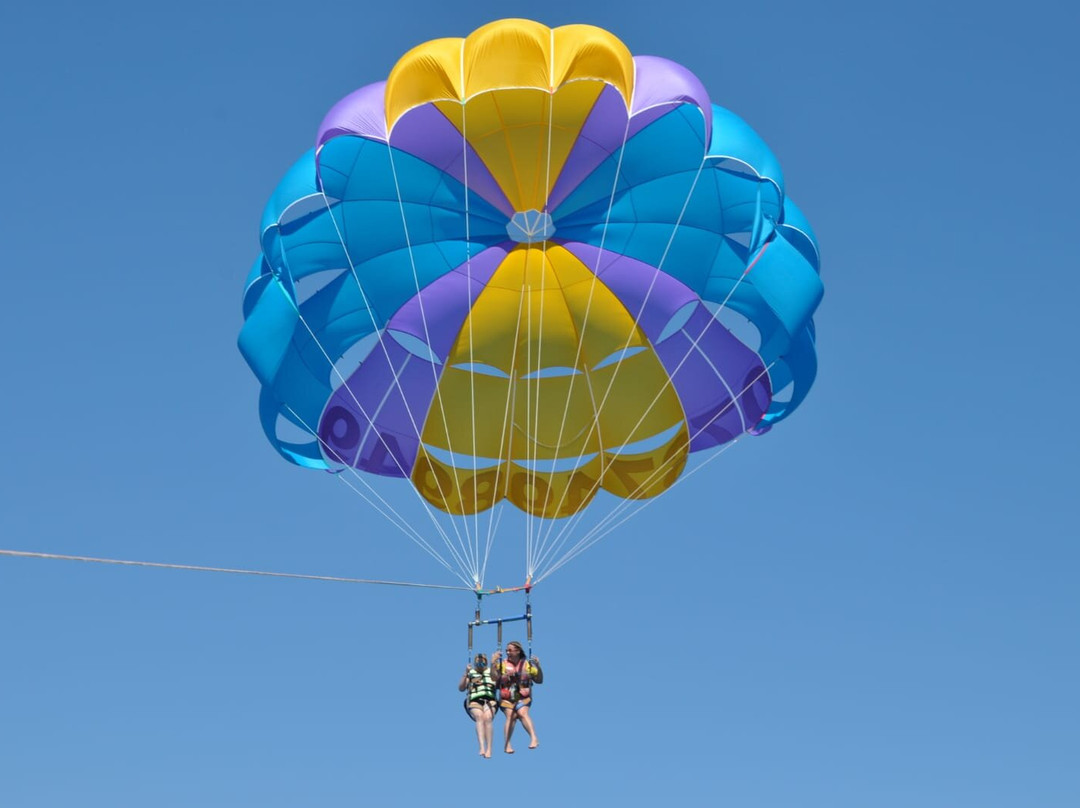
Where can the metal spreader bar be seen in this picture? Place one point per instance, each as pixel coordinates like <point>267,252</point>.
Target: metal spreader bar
<point>498,621</point>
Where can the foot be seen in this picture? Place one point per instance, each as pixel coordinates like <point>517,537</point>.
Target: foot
<point>535,743</point>
<point>509,750</point>
<point>487,754</point>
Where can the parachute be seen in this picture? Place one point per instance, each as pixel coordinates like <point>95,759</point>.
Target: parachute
<point>529,268</point>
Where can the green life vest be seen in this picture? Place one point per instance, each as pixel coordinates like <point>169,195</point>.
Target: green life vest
<point>481,685</point>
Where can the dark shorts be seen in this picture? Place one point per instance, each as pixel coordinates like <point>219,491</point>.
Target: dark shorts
<point>480,704</point>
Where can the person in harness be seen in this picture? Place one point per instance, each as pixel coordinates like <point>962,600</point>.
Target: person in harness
<point>480,700</point>
<point>514,679</point>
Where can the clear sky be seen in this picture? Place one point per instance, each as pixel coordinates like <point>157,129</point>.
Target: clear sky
<point>875,604</point>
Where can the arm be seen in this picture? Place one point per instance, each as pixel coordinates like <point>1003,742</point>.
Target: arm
<point>539,677</point>
<point>463,685</point>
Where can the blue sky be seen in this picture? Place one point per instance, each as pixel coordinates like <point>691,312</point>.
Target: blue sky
<point>873,605</point>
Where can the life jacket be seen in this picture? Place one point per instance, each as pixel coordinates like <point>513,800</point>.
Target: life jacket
<point>481,685</point>
<point>514,682</point>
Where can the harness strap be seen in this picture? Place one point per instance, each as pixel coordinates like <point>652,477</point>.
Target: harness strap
<point>528,623</point>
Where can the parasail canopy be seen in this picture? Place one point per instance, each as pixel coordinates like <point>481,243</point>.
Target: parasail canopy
<point>529,267</point>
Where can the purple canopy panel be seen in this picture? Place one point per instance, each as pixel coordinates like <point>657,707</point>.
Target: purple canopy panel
<point>659,86</point>
<point>436,315</point>
<point>709,368</point>
<point>652,297</point>
<point>362,112</point>
<point>601,136</point>
<point>426,133</point>
<point>707,364</point>
<point>388,454</point>
<point>373,421</point>
<point>423,132</point>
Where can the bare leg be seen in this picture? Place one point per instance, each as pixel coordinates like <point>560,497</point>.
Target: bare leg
<point>479,713</point>
<point>488,724</point>
<point>510,719</point>
<point>526,721</point>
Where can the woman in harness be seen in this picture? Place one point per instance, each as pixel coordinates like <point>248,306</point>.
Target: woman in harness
<point>480,701</point>
<point>514,679</point>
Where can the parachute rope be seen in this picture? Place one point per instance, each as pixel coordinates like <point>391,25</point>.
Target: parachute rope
<point>567,530</point>
<point>229,570</point>
<point>493,521</point>
<point>540,549</point>
<point>468,317</point>
<point>532,563</point>
<point>604,526</point>
<point>593,428</point>
<point>530,520</point>
<point>712,242</point>
<point>607,525</point>
<point>475,567</point>
<point>534,529</point>
<point>414,535</point>
<point>408,410</point>
<point>396,519</point>
<point>597,533</point>
<point>360,407</point>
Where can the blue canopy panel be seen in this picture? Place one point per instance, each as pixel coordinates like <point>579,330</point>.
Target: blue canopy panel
<point>734,140</point>
<point>339,252</point>
<point>403,220</point>
<point>721,225</point>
